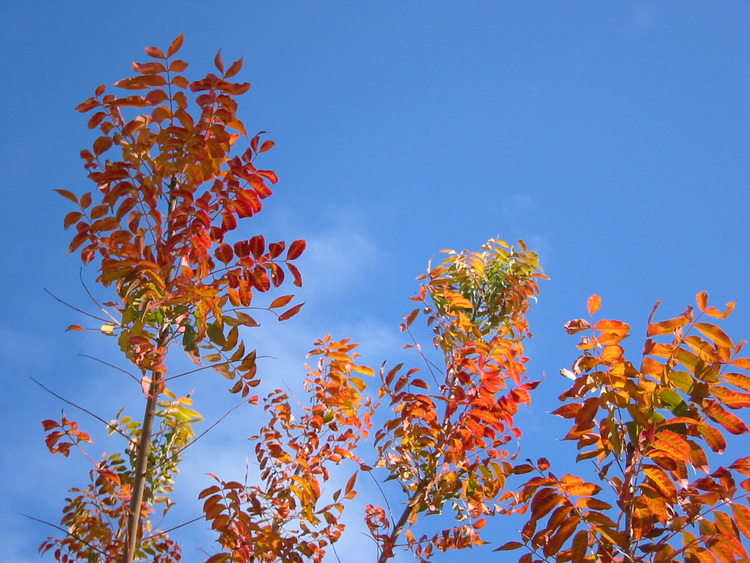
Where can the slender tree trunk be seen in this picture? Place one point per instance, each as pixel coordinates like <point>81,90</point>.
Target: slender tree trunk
<point>147,427</point>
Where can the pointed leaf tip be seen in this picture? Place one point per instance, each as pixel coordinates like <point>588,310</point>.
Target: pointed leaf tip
<point>176,44</point>
<point>219,62</point>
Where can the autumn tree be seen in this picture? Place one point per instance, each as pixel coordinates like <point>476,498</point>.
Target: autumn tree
<point>448,441</point>
<point>175,171</point>
<point>174,174</point>
<point>650,429</point>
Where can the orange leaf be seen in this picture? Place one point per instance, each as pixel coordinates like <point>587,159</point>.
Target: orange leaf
<point>730,422</point>
<point>732,399</point>
<point>233,69</point>
<point>702,300</point>
<point>289,313</point>
<point>281,301</point>
<point>155,52</point>
<point>74,327</point>
<point>673,445</point>
<point>578,547</point>
<point>742,518</point>
<point>594,303</point>
<point>218,62</point>
<point>176,44</point>
<point>662,482</point>
<point>737,379</point>
<point>544,500</point>
<point>68,195</point>
<point>718,336</point>
<point>575,486</point>
<point>713,438</point>
<point>509,546</point>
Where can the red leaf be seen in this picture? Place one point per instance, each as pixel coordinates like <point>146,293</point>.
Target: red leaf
<point>224,253</point>
<point>281,301</point>
<point>576,325</point>
<point>177,65</point>
<point>235,67</point>
<point>68,195</point>
<point>176,44</point>
<point>266,146</point>
<point>49,425</point>
<point>295,274</point>
<point>257,245</point>
<point>155,52</point>
<point>289,313</point>
<point>269,174</point>
<point>102,144</point>
<point>72,218</point>
<point>295,249</point>
<point>509,546</point>
<point>276,248</point>
<point>410,319</point>
<point>218,62</point>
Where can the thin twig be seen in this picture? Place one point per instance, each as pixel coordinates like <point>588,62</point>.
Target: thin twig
<point>66,532</point>
<point>168,530</point>
<point>88,412</point>
<point>56,298</point>
<point>112,366</point>
<point>206,431</point>
<point>101,308</point>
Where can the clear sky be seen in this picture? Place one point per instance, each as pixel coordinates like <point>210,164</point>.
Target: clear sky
<point>612,136</point>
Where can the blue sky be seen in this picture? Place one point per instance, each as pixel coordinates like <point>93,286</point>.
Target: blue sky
<point>613,137</point>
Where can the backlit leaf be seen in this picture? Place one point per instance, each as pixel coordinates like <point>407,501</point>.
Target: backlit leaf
<point>281,301</point>
<point>175,46</point>
<point>729,421</point>
<point>737,379</point>
<point>155,52</point>
<point>509,546</point>
<point>702,300</point>
<point>673,444</point>
<point>594,303</point>
<point>713,437</point>
<point>219,62</point>
<point>296,249</point>
<point>732,399</point>
<point>289,313</point>
<point>67,195</point>
<point>741,515</point>
<point>718,336</point>
<point>663,483</point>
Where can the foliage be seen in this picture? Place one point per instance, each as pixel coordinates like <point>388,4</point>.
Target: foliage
<point>648,430</point>
<point>169,194</point>
<point>448,442</point>
<point>171,188</point>
<point>446,445</point>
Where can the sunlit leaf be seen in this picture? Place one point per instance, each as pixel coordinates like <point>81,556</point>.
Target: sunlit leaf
<point>594,303</point>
